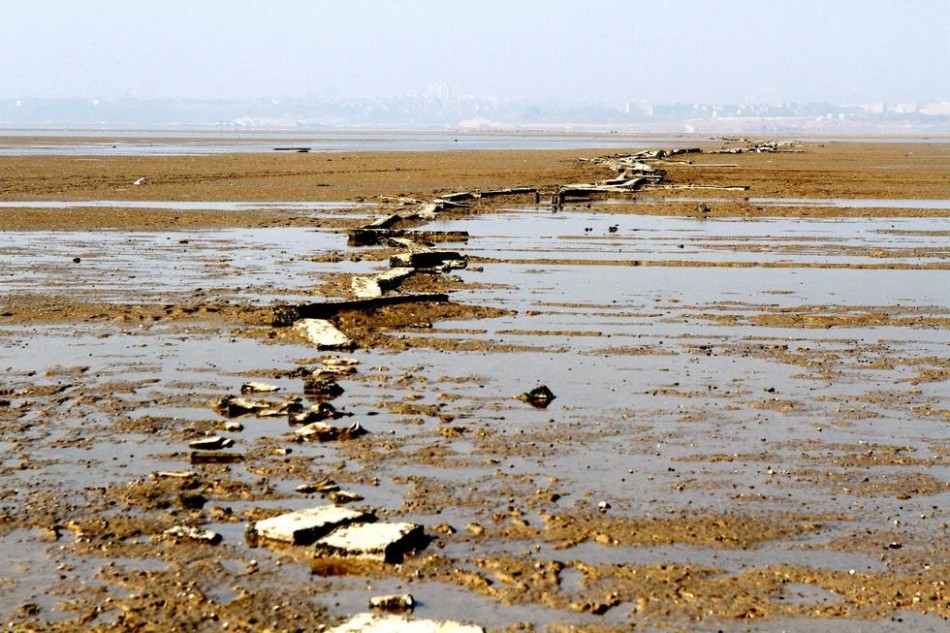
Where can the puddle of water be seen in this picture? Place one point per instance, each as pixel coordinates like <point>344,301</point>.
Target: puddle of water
<point>184,141</point>
<point>587,235</point>
<point>840,203</point>
<point>256,266</point>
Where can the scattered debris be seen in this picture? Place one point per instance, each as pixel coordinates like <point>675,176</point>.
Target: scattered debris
<point>322,486</point>
<point>316,413</point>
<point>386,542</point>
<point>212,443</point>
<point>236,406</point>
<point>395,602</point>
<point>322,388</point>
<point>323,432</point>
<point>323,334</point>
<point>258,387</point>
<point>306,526</point>
<point>340,364</point>
<point>184,474</point>
<point>193,534</point>
<point>760,147</point>
<point>539,397</point>
<point>341,497</point>
<point>376,623</point>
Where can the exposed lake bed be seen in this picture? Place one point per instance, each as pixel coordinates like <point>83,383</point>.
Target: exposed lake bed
<point>749,428</point>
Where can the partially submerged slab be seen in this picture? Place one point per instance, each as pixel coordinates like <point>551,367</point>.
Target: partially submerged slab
<point>386,542</point>
<point>380,623</point>
<point>305,526</point>
<point>323,334</point>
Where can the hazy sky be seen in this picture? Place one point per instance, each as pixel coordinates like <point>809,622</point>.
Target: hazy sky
<point>845,51</point>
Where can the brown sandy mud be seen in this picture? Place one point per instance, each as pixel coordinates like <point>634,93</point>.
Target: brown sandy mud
<point>747,426</point>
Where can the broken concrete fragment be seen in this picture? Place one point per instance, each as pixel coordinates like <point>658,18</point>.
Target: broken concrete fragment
<point>213,443</point>
<point>317,432</point>
<point>394,602</point>
<point>424,259</point>
<point>234,406</point>
<point>539,397</point>
<point>184,474</point>
<point>386,542</point>
<point>323,432</point>
<point>511,191</point>
<point>234,427</point>
<point>323,334</point>
<point>457,197</point>
<point>306,526</point>
<point>384,222</point>
<point>285,408</point>
<point>193,533</point>
<point>372,287</point>
<point>366,287</point>
<point>336,362</point>
<point>316,413</point>
<point>322,388</point>
<point>376,623</point>
<point>341,497</point>
<point>258,387</point>
<point>323,486</point>
<point>428,211</point>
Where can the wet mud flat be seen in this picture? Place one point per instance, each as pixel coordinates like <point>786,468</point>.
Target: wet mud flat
<point>749,430</point>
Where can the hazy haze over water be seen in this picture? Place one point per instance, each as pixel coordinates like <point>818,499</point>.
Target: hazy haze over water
<point>845,51</point>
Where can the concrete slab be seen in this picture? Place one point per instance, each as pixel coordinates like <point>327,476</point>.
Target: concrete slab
<point>323,334</point>
<point>381,623</point>
<point>386,542</point>
<point>306,526</point>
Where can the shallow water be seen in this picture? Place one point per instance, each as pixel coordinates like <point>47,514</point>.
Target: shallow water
<point>839,203</point>
<point>179,142</point>
<point>256,266</point>
<point>671,400</point>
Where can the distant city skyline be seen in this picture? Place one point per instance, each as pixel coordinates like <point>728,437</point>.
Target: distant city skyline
<point>687,51</point>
